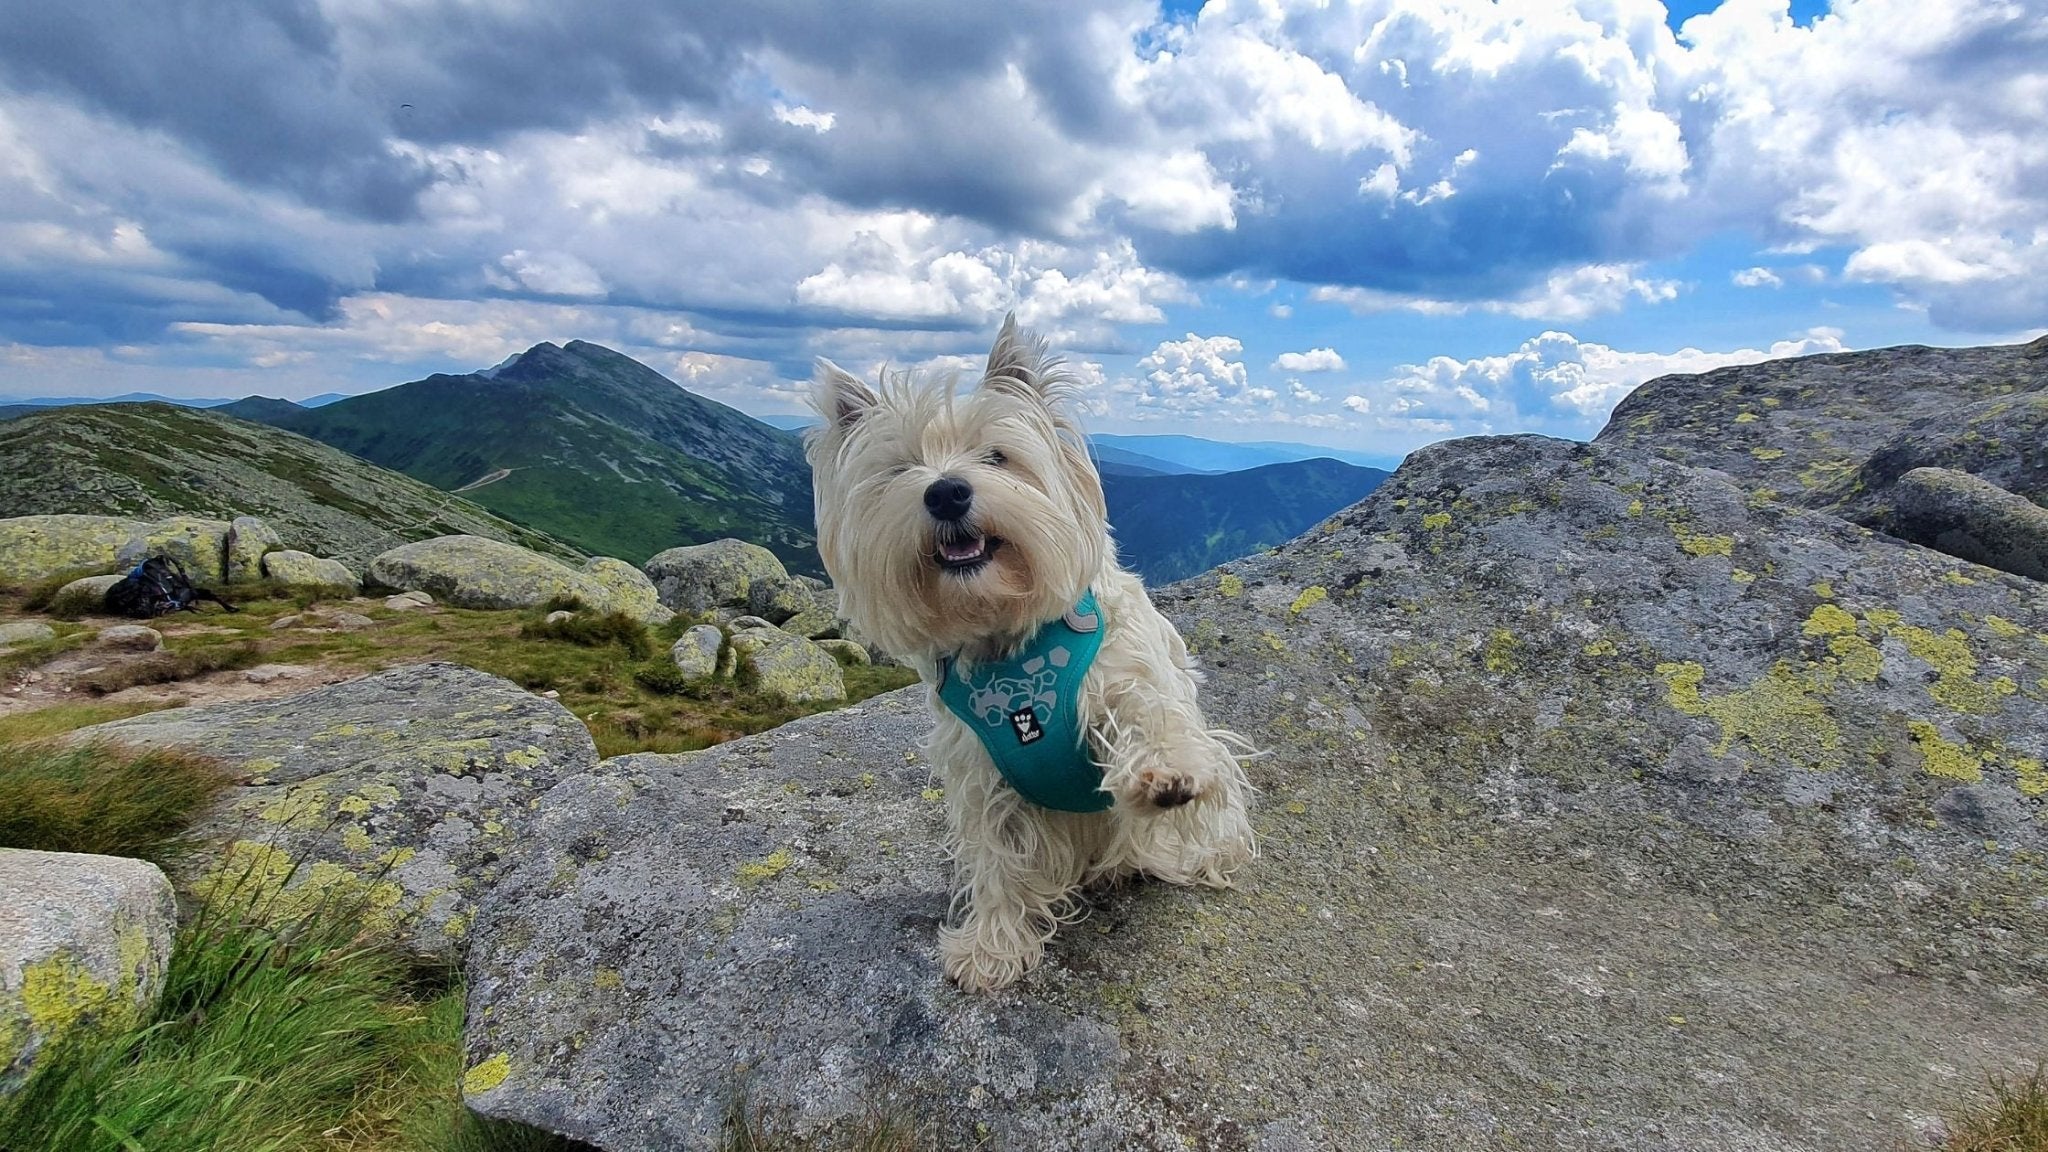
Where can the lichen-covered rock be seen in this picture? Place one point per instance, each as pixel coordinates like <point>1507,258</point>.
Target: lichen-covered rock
<point>1588,778</point>
<point>848,653</point>
<point>801,605</point>
<point>625,588</point>
<point>402,789</point>
<point>696,652</point>
<point>133,637</point>
<point>305,570</point>
<point>84,943</point>
<point>25,632</point>
<point>201,545</point>
<point>477,572</point>
<point>411,601</point>
<point>704,577</point>
<point>85,595</point>
<point>1972,518</point>
<point>248,539</point>
<point>34,548</point>
<point>786,667</point>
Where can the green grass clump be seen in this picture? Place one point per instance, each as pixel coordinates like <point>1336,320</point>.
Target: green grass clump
<point>2014,1119</point>
<point>169,667</point>
<point>593,630</point>
<point>661,677</point>
<point>290,1035</point>
<point>103,798</point>
<point>22,656</point>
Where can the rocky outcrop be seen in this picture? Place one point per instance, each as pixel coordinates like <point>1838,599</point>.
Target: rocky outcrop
<point>785,667</point>
<point>84,944</point>
<point>248,540</point>
<point>1972,518</point>
<point>303,570</point>
<point>1579,764</point>
<point>199,544</point>
<point>402,790</point>
<point>476,572</point>
<point>802,605</point>
<point>695,653</point>
<point>706,577</point>
<point>34,548</point>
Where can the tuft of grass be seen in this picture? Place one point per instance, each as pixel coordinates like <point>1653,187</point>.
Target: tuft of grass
<point>57,719</point>
<point>274,1031</point>
<point>592,630</point>
<point>103,798</point>
<point>564,603</point>
<point>662,678</point>
<point>2014,1119</point>
<point>169,667</point>
<point>22,656</point>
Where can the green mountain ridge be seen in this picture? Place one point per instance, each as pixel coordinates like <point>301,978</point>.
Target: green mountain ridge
<point>1171,527</point>
<point>585,444</point>
<point>151,460</point>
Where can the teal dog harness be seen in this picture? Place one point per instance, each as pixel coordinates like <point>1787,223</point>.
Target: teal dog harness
<point>1027,711</point>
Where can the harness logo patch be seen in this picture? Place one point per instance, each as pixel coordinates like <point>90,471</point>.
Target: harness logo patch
<point>1025,721</point>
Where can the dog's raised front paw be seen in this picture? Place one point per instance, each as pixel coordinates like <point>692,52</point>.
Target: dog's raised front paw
<point>977,966</point>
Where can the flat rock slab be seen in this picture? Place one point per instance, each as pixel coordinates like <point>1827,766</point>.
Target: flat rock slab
<point>402,789</point>
<point>1606,805</point>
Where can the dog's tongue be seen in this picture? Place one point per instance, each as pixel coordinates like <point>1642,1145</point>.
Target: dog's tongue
<point>963,551</point>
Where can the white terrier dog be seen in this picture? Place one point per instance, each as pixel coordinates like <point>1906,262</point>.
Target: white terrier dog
<point>967,535</point>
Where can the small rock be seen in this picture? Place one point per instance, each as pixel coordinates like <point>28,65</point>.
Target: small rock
<point>26,632</point>
<point>248,538</point>
<point>269,673</point>
<point>84,596</point>
<point>347,621</point>
<point>743,623</point>
<point>139,637</point>
<point>559,615</point>
<point>551,694</point>
<point>94,929</point>
<point>283,622</point>
<point>848,653</point>
<point>305,570</point>
<point>787,668</point>
<point>696,653</point>
<point>409,601</point>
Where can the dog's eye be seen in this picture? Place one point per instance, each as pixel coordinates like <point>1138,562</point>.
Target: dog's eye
<point>996,458</point>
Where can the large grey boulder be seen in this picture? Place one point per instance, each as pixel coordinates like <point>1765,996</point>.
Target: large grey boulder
<point>403,789</point>
<point>84,943</point>
<point>800,605</point>
<point>1604,804</point>
<point>35,548</point>
<point>303,570</point>
<point>1972,518</point>
<point>702,578</point>
<point>478,572</point>
<point>786,667</point>
<point>242,554</point>
<point>200,544</point>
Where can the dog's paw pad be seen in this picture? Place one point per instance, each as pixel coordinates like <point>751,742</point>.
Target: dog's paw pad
<point>1166,789</point>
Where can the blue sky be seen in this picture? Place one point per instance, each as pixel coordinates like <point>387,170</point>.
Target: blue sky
<point>1362,223</point>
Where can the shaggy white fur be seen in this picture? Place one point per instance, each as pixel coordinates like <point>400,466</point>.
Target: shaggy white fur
<point>927,580</point>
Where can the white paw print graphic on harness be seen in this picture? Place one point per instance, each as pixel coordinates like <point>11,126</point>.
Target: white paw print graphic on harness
<point>1017,699</point>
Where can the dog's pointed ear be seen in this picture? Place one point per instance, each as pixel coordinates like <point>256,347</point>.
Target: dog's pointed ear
<point>1019,358</point>
<point>838,396</point>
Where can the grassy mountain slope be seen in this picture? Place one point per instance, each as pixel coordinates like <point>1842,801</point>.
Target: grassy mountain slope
<point>1171,527</point>
<point>587,445</point>
<point>152,460</point>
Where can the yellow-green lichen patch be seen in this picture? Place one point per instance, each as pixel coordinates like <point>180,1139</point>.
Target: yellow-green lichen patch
<point>1742,576</point>
<point>767,868</point>
<point>301,808</point>
<point>1954,577</point>
<point>1310,596</point>
<point>1780,717</point>
<point>1828,620</point>
<point>1635,506</point>
<point>1745,418</point>
<point>1698,544</point>
<point>1602,647</point>
<point>2031,775</point>
<point>528,757</point>
<point>1941,758</point>
<point>1767,453</point>
<point>1273,641</point>
<point>1859,658</point>
<point>1436,521</point>
<point>608,979</point>
<point>1230,585</point>
<point>58,993</point>
<point>353,805</point>
<point>2002,628</point>
<point>486,1074</point>
<point>356,840</point>
<point>932,795</point>
<point>1500,651</point>
<point>1823,588</point>
<point>1955,666</point>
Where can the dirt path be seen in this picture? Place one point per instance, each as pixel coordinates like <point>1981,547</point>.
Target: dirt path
<point>486,478</point>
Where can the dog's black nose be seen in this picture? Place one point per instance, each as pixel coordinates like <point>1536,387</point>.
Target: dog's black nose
<point>948,498</point>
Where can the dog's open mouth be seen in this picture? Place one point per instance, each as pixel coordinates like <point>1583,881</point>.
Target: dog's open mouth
<point>966,552</point>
